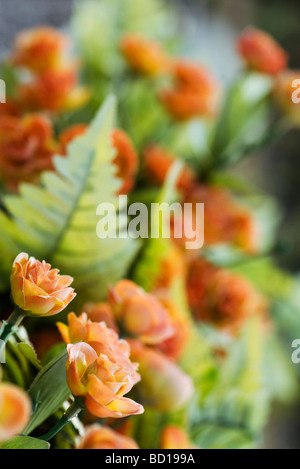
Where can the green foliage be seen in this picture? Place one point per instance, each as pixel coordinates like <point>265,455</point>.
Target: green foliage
<point>25,442</point>
<point>57,222</point>
<point>48,391</point>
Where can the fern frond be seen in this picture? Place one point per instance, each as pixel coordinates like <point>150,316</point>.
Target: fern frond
<point>57,221</point>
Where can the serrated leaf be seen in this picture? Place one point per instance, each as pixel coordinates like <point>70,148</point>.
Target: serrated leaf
<point>25,442</point>
<point>48,391</point>
<point>57,222</point>
<point>29,353</point>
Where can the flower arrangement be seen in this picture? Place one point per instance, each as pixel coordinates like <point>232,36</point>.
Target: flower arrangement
<point>139,342</point>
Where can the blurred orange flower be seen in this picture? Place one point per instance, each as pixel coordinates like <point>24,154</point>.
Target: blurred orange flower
<point>15,411</point>
<point>158,162</point>
<point>144,56</point>
<point>226,220</point>
<point>261,52</point>
<point>101,312</point>
<point>69,135</point>
<point>100,437</point>
<point>126,160</point>
<point>54,90</point>
<point>194,94</point>
<point>287,84</point>
<point>37,289</point>
<point>164,385</point>
<point>141,314</point>
<point>222,297</point>
<point>39,49</point>
<point>173,437</point>
<point>102,372</point>
<point>26,149</point>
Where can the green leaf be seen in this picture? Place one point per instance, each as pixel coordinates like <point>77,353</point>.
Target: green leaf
<point>25,442</point>
<point>57,222</point>
<point>48,391</point>
<point>29,353</point>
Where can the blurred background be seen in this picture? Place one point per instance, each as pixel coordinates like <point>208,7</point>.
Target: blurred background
<point>210,28</point>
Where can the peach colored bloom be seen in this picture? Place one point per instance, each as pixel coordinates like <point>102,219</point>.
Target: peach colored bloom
<point>173,266</point>
<point>15,410</point>
<point>126,160</point>
<point>26,149</point>
<point>102,372</point>
<point>144,56</point>
<point>39,49</point>
<point>194,94</point>
<point>38,290</point>
<point>101,312</point>
<point>54,90</point>
<point>141,314</point>
<point>100,437</point>
<point>284,90</point>
<point>164,385</point>
<point>261,52</point>
<point>221,297</point>
<point>173,437</point>
<point>158,162</point>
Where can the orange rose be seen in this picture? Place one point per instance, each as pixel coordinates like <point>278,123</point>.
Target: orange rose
<point>54,90</point>
<point>221,297</point>
<point>158,162</point>
<point>286,86</point>
<point>38,290</point>
<point>39,49</point>
<point>144,56</point>
<point>195,92</point>
<point>261,52</point>
<point>174,437</point>
<point>126,160</point>
<point>141,314</point>
<point>101,312</point>
<point>164,385</point>
<point>15,411</point>
<point>102,372</point>
<point>26,149</point>
<point>100,437</point>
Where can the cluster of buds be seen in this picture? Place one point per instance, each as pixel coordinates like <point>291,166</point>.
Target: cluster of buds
<point>53,84</point>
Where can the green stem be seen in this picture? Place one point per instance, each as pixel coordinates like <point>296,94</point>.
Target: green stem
<point>72,412</point>
<point>9,327</point>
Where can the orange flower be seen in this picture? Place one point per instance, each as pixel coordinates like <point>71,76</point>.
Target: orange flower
<point>15,411</point>
<point>286,93</point>
<point>37,289</point>
<point>69,135</point>
<point>101,312</point>
<point>226,221</point>
<point>158,162</point>
<point>173,437</point>
<point>164,385</point>
<point>39,49</point>
<point>102,372</point>
<point>26,149</point>
<point>195,92</point>
<point>144,56</point>
<point>100,437</point>
<point>261,52</point>
<point>174,346</point>
<point>222,297</point>
<point>142,315</point>
<point>54,90</point>
<point>126,160</point>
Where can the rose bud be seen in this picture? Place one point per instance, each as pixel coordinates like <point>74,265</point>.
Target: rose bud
<point>144,56</point>
<point>261,52</point>
<point>15,411</point>
<point>141,314</point>
<point>100,437</point>
<point>37,289</point>
<point>164,385</point>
